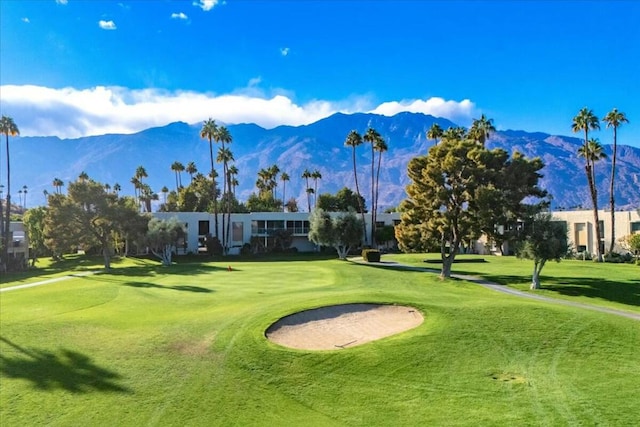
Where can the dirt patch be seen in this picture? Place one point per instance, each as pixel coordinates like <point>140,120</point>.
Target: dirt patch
<point>340,326</point>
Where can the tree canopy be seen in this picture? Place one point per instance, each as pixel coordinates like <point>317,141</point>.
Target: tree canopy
<point>342,231</point>
<point>343,201</point>
<point>460,191</point>
<point>163,237</point>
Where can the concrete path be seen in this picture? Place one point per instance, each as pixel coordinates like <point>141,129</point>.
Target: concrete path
<point>46,282</point>
<point>504,289</point>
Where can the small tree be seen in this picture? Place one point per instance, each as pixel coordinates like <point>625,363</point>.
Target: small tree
<point>341,232</point>
<point>34,223</point>
<point>163,236</point>
<point>545,240</point>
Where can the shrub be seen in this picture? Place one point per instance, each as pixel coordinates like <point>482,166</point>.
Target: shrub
<point>371,255</point>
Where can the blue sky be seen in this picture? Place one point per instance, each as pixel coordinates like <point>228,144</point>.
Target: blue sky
<point>72,68</point>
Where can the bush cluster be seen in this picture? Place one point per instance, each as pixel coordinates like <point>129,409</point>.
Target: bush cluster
<point>371,255</point>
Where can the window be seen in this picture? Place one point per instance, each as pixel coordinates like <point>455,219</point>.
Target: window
<point>298,227</point>
<point>635,227</point>
<point>238,231</point>
<point>203,227</point>
<point>379,224</point>
<point>601,227</point>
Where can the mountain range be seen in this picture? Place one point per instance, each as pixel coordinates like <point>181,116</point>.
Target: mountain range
<point>113,158</point>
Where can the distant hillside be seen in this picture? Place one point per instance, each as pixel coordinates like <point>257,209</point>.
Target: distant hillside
<point>320,145</point>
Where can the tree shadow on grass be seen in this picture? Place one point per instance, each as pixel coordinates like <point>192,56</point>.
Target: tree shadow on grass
<point>622,292</point>
<point>146,270</point>
<point>185,288</point>
<point>65,370</point>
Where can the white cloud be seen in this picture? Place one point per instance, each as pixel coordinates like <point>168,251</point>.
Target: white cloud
<point>25,20</point>
<point>62,1</point>
<point>206,5</point>
<point>107,25</point>
<point>178,16</point>
<point>71,113</point>
<point>284,51</point>
<point>438,107</point>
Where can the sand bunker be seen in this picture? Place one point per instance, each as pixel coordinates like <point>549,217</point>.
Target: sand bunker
<point>340,326</point>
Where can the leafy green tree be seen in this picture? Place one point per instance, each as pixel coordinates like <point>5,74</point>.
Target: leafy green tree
<point>292,205</point>
<point>86,216</point>
<point>8,128</point>
<point>256,203</point>
<point>342,231</point>
<point>614,119</point>
<point>452,195</point>
<point>585,121</point>
<point>163,237</point>
<point>34,225</point>
<point>545,240</point>
<point>354,139</point>
<point>343,201</point>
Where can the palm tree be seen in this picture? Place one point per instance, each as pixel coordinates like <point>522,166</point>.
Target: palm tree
<point>454,133</point>
<point>116,188</point>
<point>209,131</point>
<point>435,132</point>
<point>177,167</point>
<point>316,175</point>
<point>83,177</point>
<point>164,190</point>
<point>614,119</point>
<point>585,121</point>
<point>284,177</point>
<point>306,175</point>
<point>353,140</point>
<point>8,128</point>
<point>481,129</point>
<point>20,197</point>
<point>233,172</point>
<point>24,192</point>
<point>225,156</point>
<point>191,169</point>
<point>58,184</point>
<point>107,187</point>
<point>380,147</point>
<point>136,188</point>
<point>141,172</point>
<point>373,137</point>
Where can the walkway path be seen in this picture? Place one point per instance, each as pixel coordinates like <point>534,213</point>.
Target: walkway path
<point>46,282</point>
<point>505,289</point>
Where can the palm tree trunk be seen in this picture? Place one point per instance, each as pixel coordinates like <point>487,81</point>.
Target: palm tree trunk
<point>8,218</point>
<point>612,198</point>
<point>215,197</point>
<point>596,219</point>
<point>284,188</point>
<point>373,198</point>
<point>378,180</point>
<point>355,175</point>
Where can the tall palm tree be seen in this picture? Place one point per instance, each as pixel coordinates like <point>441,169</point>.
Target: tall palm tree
<point>316,175</point>
<point>225,156</point>
<point>117,188</point>
<point>373,137</point>
<point>585,121</point>
<point>233,172</point>
<point>24,192</point>
<point>209,131</point>
<point>614,119</point>
<point>191,169</point>
<point>284,177</point>
<point>20,203</point>
<point>306,174</point>
<point>8,128</point>
<point>136,188</point>
<point>141,172</point>
<point>380,147</point>
<point>481,129</point>
<point>164,190</point>
<point>354,140</point>
<point>58,184</point>
<point>435,132</point>
<point>107,187</point>
<point>177,167</point>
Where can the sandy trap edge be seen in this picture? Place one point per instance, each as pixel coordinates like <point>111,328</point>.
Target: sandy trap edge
<point>340,326</point>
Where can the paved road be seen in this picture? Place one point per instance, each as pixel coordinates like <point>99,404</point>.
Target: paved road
<point>46,282</point>
<point>506,290</point>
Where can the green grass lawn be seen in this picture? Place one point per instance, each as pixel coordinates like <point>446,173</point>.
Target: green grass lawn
<point>146,345</point>
<point>610,285</point>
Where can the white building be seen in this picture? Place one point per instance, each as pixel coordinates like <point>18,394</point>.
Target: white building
<point>18,250</point>
<point>255,228</point>
<point>258,227</point>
